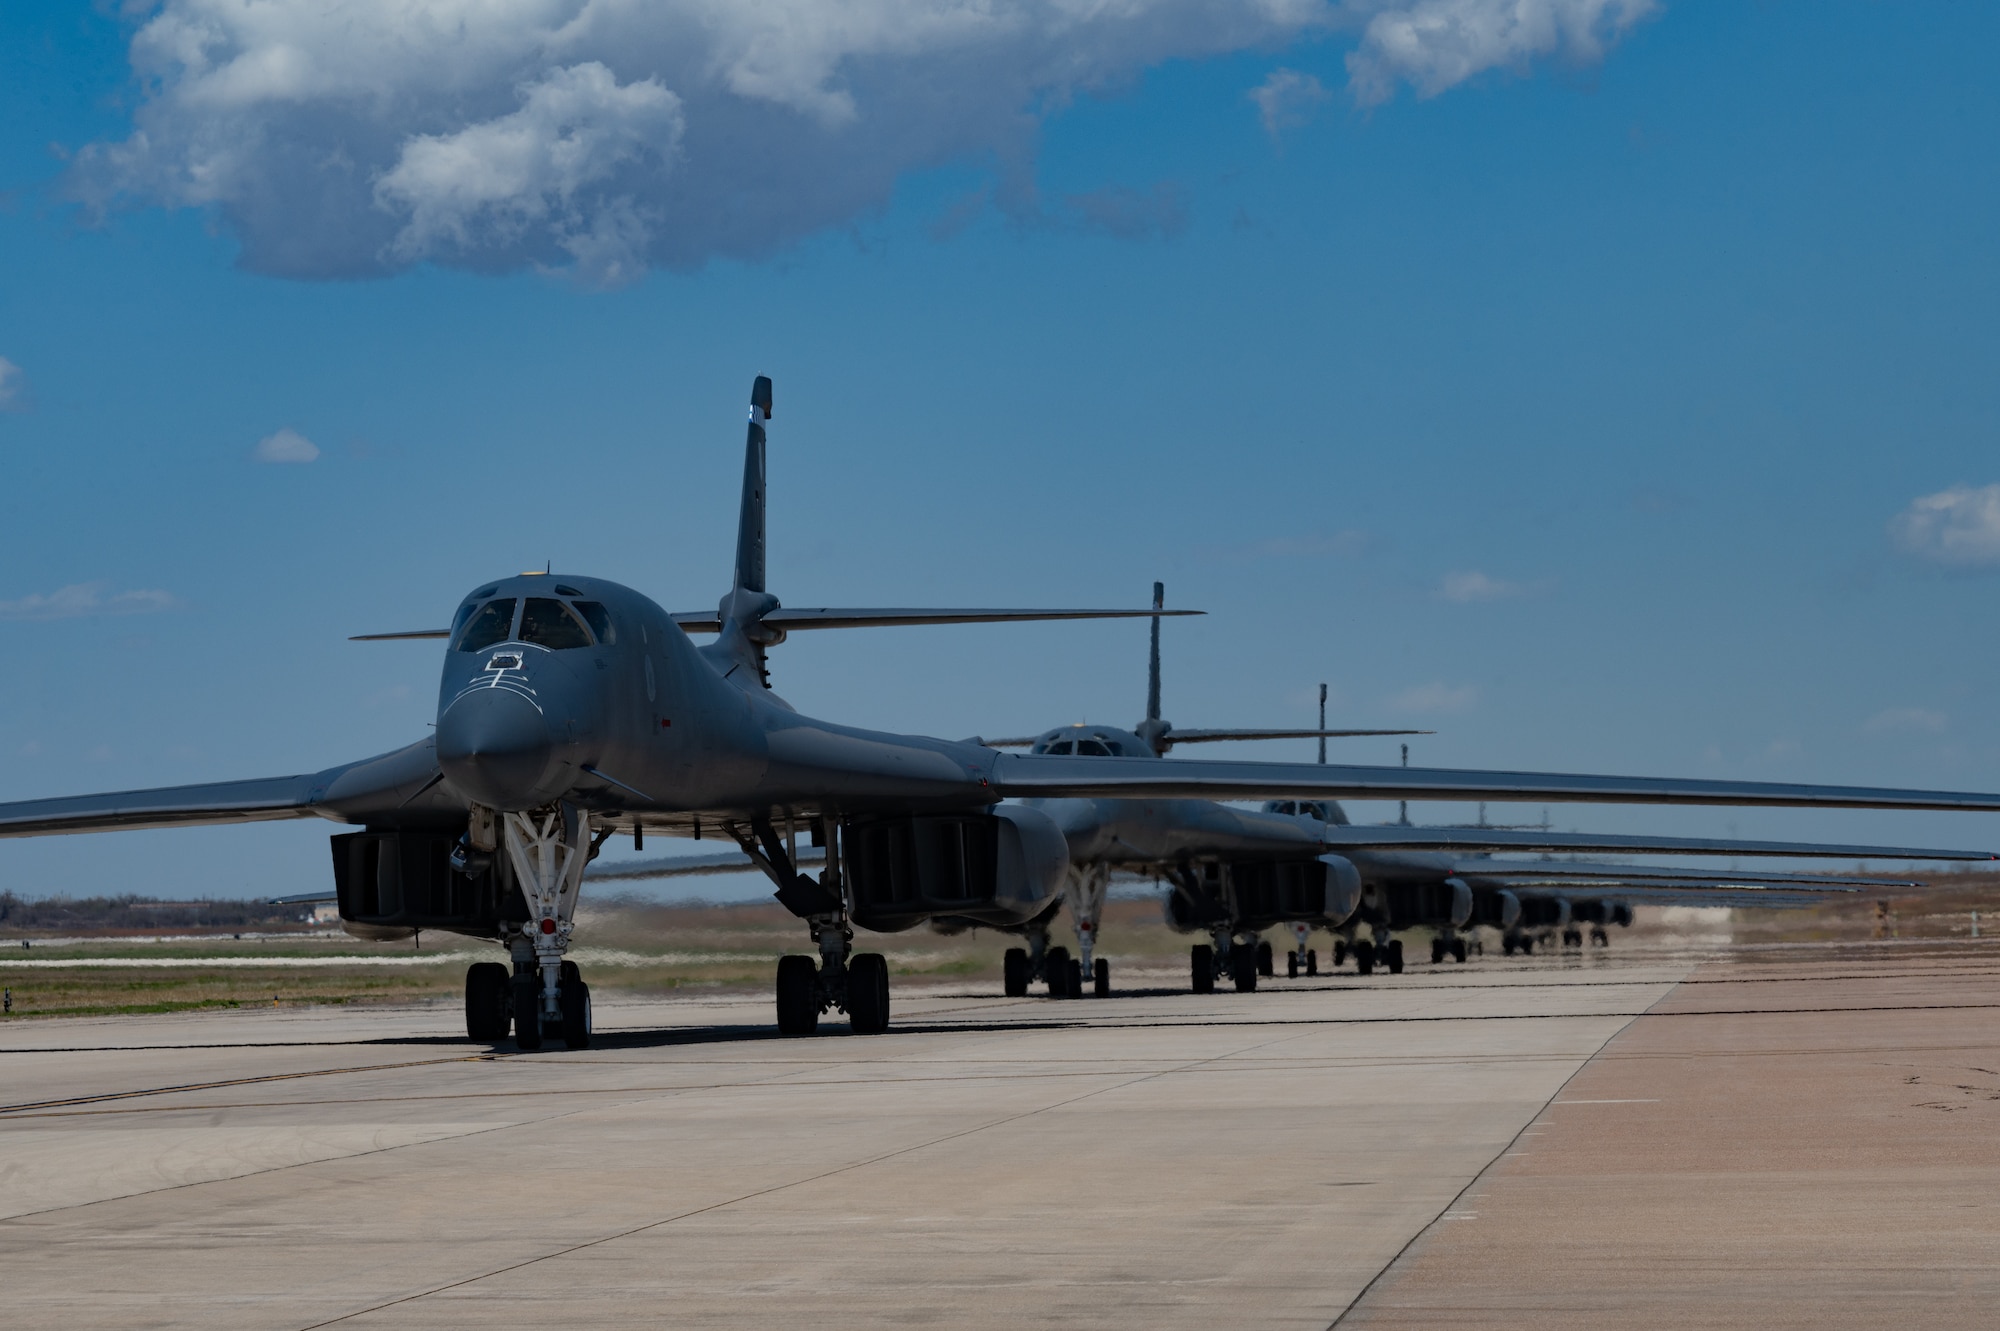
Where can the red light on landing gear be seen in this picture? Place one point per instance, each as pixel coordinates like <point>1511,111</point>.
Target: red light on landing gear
<point>548,926</point>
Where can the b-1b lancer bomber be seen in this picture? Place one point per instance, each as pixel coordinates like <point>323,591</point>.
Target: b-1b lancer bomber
<point>571,709</point>
<point>1235,873</point>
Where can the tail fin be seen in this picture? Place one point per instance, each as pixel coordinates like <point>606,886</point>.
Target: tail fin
<point>1153,665</point>
<point>750,523</point>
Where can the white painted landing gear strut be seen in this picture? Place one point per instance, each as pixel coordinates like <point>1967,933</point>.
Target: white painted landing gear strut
<point>1087,889</point>
<point>549,849</point>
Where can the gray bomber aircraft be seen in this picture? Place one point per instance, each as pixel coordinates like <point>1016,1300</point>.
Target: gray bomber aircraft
<point>573,708</point>
<point>1237,872</point>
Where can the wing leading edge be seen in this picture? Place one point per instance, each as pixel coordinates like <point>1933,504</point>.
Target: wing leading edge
<point>1044,776</point>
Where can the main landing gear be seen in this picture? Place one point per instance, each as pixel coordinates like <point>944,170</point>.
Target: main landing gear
<point>1384,952</point>
<point>1021,967</point>
<point>1447,945</point>
<point>1242,960</point>
<point>856,983</point>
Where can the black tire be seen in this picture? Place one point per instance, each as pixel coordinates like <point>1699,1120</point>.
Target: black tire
<point>1265,961</point>
<point>1243,969</point>
<point>798,996</point>
<point>1291,965</point>
<point>575,996</point>
<point>1055,969</point>
<point>1599,938</point>
<point>1339,952</point>
<point>487,1014</point>
<point>1074,971</point>
<point>1100,978</point>
<point>1201,962</point>
<point>1437,951</point>
<point>1364,957</point>
<point>1507,945</point>
<point>570,974</point>
<point>1527,946</point>
<point>1458,950</point>
<point>868,993</point>
<point>1395,951</point>
<point>1312,962</point>
<point>527,992</point>
<point>1014,972</point>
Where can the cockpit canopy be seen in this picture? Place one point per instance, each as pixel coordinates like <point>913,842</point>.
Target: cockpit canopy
<point>1088,741</point>
<point>556,623</point>
<point>1327,811</point>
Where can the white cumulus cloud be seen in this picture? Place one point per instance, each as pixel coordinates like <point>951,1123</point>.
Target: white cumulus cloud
<point>1959,527</point>
<point>603,137</point>
<point>286,445</point>
<point>86,598</point>
<point>1472,585</point>
<point>1433,45</point>
<point>13,386</point>
<point>1436,697</point>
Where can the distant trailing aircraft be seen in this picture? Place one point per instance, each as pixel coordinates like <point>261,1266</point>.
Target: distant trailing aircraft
<point>572,708</point>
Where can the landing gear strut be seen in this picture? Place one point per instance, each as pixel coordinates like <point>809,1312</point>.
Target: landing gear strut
<point>1303,958</point>
<point>1087,890</point>
<point>856,983</point>
<point>548,849</point>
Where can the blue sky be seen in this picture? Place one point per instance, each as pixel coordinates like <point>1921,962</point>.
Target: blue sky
<point>1574,405</point>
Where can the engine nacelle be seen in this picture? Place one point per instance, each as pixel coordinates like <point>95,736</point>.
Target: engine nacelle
<point>1461,902</point>
<point>390,884</point>
<point>1002,867</point>
<point>1510,911</point>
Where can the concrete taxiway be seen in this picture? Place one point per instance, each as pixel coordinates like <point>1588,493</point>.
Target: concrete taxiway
<point>1157,1160</point>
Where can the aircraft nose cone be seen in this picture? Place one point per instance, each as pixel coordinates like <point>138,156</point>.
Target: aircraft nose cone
<point>494,745</point>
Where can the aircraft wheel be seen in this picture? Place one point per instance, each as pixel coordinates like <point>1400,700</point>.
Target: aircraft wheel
<point>1101,977</point>
<point>575,995</point>
<point>1243,969</point>
<point>1339,952</point>
<point>487,1018</point>
<point>1291,965</point>
<point>1527,945</point>
<point>1600,938</point>
<point>1265,960</point>
<point>1364,957</point>
<point>1014,972</point>
<point>798,996</point>
<point>1201,961</point>
<point>1458,950</point>
<point>1055,966</point>
<point>1507,945</point>
<point>1074,973</point>
<point>1395,950</point>
<point>1437,951</point>
<point>527,991</point>
<point>868,993</point>
<point>1312,961</point>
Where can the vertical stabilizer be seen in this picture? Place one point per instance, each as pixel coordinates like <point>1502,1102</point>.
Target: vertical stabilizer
<point>1153,662</point>
<point>750,522</point>
<point>1322,724</point>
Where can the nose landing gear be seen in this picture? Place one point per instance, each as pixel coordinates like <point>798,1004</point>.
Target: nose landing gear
<point>548,850</point>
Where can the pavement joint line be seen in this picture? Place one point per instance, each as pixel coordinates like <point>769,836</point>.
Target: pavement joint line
<point>765,1192</point>
<point>1655,1100</point>
<point>1465,1193</point>
<point>240,1081</point>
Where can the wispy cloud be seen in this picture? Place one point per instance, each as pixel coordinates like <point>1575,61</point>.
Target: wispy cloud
<point>1906,720</point>
<point>1436,697</point>
<point>287,445</point>
<point>1433,45</point>
<point>86,598</point>
<point>1472,585</point>
<point>13,386</point>
<point>1287,100</point>
<point>1957,528</point>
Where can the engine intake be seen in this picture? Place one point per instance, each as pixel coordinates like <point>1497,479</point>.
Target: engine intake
<point>1002,867</point>
<point>393,883</point>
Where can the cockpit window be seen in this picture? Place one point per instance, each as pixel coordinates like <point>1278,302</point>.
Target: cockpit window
<point>464,613</point>
<point>488,625</point>
<point>599,619</point>
<point>1060,746</point>
<point>1092,748</point>
<point>548,623</point>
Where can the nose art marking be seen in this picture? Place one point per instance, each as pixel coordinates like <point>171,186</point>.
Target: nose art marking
<point>503,670</point>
